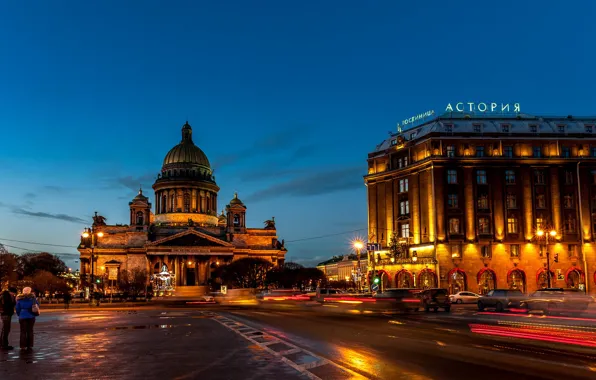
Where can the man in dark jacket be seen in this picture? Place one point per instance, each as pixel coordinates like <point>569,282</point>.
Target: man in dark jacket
<point>7,305</point>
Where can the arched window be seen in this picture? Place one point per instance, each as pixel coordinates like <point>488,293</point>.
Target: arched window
<point>516,279</point>
<point>236,220</point>
<point>487,280</point>
<point>140,218</point>
<point>186,202</point>
<point>457,280</point>
<point>427,279</point>
<point>542,280</point>
<point>404,279</point>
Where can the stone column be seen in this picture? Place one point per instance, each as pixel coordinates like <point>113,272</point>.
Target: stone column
<point>193,199</point>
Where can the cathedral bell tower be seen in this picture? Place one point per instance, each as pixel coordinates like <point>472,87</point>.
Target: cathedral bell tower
<point>236,214</point>
<point>140,211</point>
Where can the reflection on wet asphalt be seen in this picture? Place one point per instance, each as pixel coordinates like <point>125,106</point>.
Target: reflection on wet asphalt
<point>117,345</point>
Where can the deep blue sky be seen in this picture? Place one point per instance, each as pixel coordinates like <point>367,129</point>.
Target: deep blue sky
<point>286,98</point>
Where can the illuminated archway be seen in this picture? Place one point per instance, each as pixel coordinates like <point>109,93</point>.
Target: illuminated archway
<point>574,278</point>
<point>542,280</point>
<point>404,279</point>
<point>487,280</point>
<point>516,279</point>
<point>427,279</point>
<point>457,280</point>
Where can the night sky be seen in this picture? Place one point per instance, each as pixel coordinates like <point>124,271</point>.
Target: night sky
<point>286,98</point>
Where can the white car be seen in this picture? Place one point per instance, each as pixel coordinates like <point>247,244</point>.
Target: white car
<point>464,297</point>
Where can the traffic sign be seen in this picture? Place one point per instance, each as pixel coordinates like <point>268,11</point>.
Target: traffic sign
<point>224,289</point>
<point>375,287</point>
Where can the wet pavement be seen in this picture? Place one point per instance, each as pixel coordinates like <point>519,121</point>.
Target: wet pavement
<point>140,345</point>
<point>293,342</point>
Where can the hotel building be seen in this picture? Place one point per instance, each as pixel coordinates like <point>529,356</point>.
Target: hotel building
<point>467,202</point>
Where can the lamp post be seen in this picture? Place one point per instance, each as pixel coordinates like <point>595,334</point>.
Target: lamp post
<point>358,245</point>
<point>90,233</point>
<point>540,233</point>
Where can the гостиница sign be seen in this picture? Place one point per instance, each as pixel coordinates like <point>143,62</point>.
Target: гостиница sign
<point>413,119</point>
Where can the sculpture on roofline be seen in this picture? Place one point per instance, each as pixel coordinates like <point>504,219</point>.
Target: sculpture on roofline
<point>98,220</point>
<point>270,224</point>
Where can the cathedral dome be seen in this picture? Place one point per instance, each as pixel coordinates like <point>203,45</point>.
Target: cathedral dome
<point>186,154</point>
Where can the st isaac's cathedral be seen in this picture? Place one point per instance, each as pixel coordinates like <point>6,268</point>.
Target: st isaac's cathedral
<point>184,240</point>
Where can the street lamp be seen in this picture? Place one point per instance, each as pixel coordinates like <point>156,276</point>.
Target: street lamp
<point>358,245</point>
<point>552,233</point>
<point>89,233</point>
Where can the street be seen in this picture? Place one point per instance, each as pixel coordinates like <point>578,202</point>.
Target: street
<point>290,342</point>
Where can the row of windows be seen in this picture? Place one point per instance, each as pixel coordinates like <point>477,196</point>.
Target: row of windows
<point>569,225</point>
<point>514,251</point>
<point>510,178</point>
<point>506,128</point>
<point>510,201</point>
<point>508,151</point>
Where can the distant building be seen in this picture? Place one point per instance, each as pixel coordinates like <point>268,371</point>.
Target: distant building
<point>464,198</point>
<point>182,240</point>
<point>343,268</point>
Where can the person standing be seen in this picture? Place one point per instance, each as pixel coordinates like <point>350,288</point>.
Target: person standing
<point>26,305</point>
<point>7,304</point>
<point>67,298</point>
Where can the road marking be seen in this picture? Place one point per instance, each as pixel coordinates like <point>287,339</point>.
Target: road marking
<point>270,340</point>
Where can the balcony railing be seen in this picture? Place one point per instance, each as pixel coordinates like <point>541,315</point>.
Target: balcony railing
<point>408,260</point>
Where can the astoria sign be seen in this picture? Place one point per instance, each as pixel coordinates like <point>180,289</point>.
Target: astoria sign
<point>483,107</point>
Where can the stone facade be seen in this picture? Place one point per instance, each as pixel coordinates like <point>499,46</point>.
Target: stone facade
<point>184,236</point>
<point>466,197</point>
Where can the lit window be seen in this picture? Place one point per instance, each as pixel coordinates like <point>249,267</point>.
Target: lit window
<point>511,200</point>
<point>452,201</point>
<point>568,177</point>
<point>450,151</point>
<point>486,252</point>
<point>568,201</point>
<point>405,230</point>
<point>510,177</point>
<point>483,202</point>
<point>570,224</point>
<point>537,151</point>
<point>454,226</point>
<point>514,250</point>
<point>483,226</point>
<point>403,185</point>
<point>406,161</point>
<point>451,176</point>
<point>512,225</point>
<point>540,201</point>
<point>539,223</point>
<point>481,177</point>
<point>508,151</point>
<point>565,152</point>
<point>479,151</point>
<point>404,207</point>
<point>505,128</point>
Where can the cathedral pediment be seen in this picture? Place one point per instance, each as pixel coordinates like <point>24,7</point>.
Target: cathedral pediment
<point>190,238</point>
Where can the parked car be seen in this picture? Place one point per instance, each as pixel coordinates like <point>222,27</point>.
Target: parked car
<point>501,299</point>
<point>464,297</point>
<point>434,299</point>
<point>557,300</point>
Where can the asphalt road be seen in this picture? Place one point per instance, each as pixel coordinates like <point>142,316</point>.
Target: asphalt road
<point>288,342</point>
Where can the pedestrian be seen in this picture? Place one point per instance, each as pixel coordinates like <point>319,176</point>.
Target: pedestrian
<point>27,310</point>
<point>67,298</point>
<point>7,304</point>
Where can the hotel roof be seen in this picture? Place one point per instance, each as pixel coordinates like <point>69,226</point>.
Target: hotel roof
<point>499,126</point>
